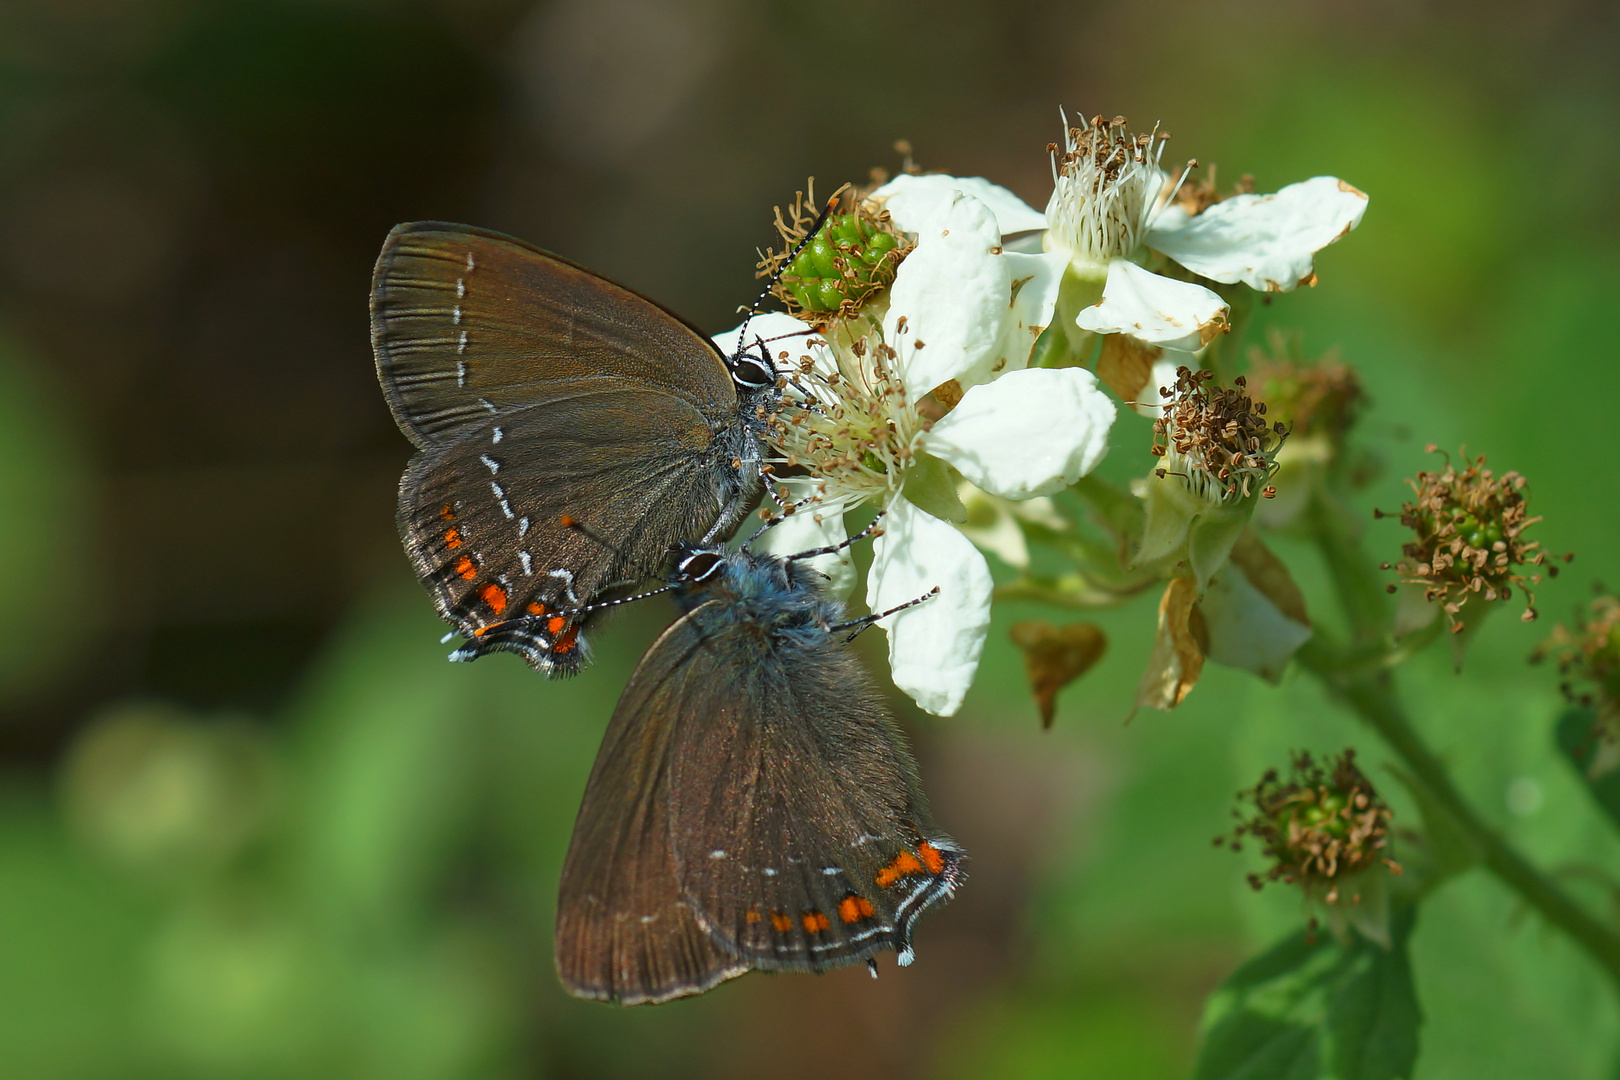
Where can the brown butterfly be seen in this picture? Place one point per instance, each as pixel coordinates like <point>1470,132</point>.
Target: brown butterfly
<point>753,805</point>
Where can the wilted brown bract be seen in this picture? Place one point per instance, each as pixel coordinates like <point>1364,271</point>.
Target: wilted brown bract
<point>1055,656</point>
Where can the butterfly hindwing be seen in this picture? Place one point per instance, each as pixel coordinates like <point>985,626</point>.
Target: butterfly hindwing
<point>484,518</point>
<point>803,839</point>
<point>752,797</point>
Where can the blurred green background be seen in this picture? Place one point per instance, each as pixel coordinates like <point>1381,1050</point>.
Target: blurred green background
<point>252,825</point>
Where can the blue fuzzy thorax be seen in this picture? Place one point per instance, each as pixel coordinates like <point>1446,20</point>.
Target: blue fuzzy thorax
<point>779,597</point>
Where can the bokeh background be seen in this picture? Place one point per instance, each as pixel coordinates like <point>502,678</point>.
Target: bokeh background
<point>252,825</point>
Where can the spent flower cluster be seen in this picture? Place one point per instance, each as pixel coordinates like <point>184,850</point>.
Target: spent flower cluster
<point>1468,540</point>
<point>1588,659</point>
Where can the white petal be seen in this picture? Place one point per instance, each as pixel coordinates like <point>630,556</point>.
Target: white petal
<point>781,332</point>
<point>913,200</point>
<point>802,531</point>
<point>1154,309</point>
<point>1031,432</point>
<point>954,292</point>
<point>933,647</point>
<point>1035,281</point>
<point>1265,241</point>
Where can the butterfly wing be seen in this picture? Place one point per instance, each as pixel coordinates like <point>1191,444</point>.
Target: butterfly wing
<point>625,933</point>
<point>483,518</point>
<point>803,838</point>
<point>536,391</point>
<point>754,800</point>
<point>464,320</point>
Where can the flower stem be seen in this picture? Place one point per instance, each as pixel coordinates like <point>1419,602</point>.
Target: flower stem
<point>1372,697</point>
<point>1361,594</point>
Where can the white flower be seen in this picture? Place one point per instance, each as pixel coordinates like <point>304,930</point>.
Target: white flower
<point>1110,210</point>
<point>954,339</point>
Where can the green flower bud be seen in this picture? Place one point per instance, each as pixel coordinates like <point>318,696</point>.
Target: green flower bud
<point>847,264</point>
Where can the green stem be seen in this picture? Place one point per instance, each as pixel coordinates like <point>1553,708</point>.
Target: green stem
<point>1372,698</point>
<point>1361,593</point>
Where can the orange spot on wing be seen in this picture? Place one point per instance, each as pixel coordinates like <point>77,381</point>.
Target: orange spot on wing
<point>753,916</point>
<point>854,908</point>
<point>494,596</point>
<point>782,923</point>
<point>555,624</point>
<point>465,567</point>
<point>931,857</point>
<point>536,608</point>
<point>566,643</point>
<point>815,922</point>
<point>903,864</point>
<point>452,539</point>
<point>448,512</point>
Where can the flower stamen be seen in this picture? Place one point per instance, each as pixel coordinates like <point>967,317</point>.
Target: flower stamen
<point>1105,186</point>
<point>1216,442</point>
<point>858,432</point>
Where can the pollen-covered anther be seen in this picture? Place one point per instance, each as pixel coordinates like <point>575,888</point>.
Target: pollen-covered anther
<point>1216,441</point>
<point>1468,539</point>
<point>857,429</point>
<point>1106,182</point>
<point>846,264</point>
<point>1317,828</point>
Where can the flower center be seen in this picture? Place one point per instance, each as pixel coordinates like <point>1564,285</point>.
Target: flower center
<point>857,431</point>
<point>1217,442</point>
<point>1105,184</point>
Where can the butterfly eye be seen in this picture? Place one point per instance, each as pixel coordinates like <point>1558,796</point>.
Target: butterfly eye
<point>700,565</point>
<point>751,372</point>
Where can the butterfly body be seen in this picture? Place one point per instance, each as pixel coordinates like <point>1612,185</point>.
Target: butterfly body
<point>753,805</point>
<point>539,393</point>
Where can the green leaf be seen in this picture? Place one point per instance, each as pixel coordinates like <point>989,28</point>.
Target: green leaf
<point>1579,742</point>
<point>1316,1010</point>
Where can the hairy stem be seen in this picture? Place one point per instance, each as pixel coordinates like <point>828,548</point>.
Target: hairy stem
<point>1360,592</point>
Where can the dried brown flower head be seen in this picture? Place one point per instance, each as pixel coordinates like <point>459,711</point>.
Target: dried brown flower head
<point>1196,196</point>
<point>1216,440</point>
<point>1468,538</point>
<point>1320,398</point>
<point>1318,827</point>
<point>1589,661</point>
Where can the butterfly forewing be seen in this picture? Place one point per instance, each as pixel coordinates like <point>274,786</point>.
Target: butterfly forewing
<point>464,320</point>
<point>624,931</point>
